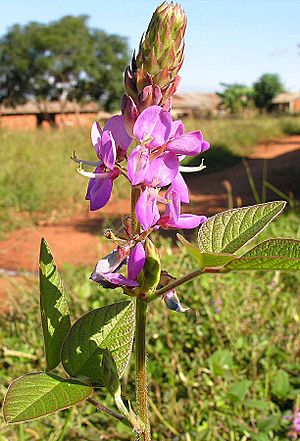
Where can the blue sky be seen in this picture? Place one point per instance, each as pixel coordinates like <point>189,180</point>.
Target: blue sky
<point>226,41</point>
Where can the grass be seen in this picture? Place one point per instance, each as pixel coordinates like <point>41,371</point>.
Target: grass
<point>226,370</point>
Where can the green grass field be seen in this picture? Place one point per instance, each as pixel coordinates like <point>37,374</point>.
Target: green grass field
<point>229,369</point>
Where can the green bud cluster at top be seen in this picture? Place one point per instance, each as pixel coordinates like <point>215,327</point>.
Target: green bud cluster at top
<point>160,54</point>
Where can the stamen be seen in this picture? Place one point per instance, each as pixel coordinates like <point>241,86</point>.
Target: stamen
<point>147,139</point>
<point>91,175</point>
<point>82,161</point>
<point>187,169</point>
<point>154,193</point>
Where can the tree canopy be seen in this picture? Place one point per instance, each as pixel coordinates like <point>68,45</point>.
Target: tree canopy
<point>236,97</point>
<point>65,59</point>
<point>265,89</point>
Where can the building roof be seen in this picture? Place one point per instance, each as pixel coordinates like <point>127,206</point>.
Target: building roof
<point>196,101</point>
<point>286,97</point>
<point>33,108</point>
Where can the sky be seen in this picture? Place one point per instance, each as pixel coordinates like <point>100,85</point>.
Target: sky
<point>226,41</point>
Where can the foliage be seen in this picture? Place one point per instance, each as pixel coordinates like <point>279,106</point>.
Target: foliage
<point>291,126</point>
<point>259,333</point>
<point>236,97</point>
<point>265,89</point>
<point>65,59</point>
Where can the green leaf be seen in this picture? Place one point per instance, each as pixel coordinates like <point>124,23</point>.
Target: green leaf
<point>264,264</point>
<point>272,254</point>
<point>54,308</point>
<point>110,373</point>
<point>206,260</point>
<point>110,327</point>
<point>239,390</point>
<point>227,232</point>
<point>35,395</point>
<point>281,384</point>
<point>276,248</point>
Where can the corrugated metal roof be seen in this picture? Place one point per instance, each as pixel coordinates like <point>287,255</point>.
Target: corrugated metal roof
<point>33,108</point>
<point>196,101</point>
<point>286,97</point>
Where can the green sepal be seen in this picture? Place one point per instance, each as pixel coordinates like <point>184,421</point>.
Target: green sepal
<point>150,275</point>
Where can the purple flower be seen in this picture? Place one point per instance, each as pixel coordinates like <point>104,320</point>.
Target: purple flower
<point>147,211</point>
<point>100,187</point>
<point>160,140</point>
<point>155,128</point>
<point>172,217</point>
<point>104,145</point>
<point>116,126</point>
<point>109,145</point>
<point>105,272</point>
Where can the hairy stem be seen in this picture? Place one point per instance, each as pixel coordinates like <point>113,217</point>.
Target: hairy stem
<point>141,368</point>
<point>109,412</point>
<point>176,283</point>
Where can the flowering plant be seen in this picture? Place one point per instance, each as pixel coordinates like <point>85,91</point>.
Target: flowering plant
<point>145,146</point>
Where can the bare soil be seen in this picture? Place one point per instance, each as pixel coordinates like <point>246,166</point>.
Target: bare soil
<point>76,240</point>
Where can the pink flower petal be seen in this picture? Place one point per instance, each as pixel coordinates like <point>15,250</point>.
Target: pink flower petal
<point>136,261</point>
<point>190,143</point>
<point>153,122</point>
<point>138,164</point>
<point>99,190</point>
<point>116,126</point>
<point>96,136</point>
<point>187,221</point>
<point>177,129</point>
<point>119,279</point>
<point>173,207</point>
<point>108,150</point>
<point>180,187</point>
<point>147,211</point>
<point>162,170</point>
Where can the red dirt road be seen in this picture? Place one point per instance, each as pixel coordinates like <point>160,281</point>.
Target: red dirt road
<point>75,240</point>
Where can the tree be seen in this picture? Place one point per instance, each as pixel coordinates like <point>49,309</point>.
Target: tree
<point>236,97</point>
<point>65,60</point>
<point>265,89</point>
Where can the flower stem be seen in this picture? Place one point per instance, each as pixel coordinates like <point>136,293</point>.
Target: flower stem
<point>176,283</point>
<point>141,368</point>
<point>108,411</point>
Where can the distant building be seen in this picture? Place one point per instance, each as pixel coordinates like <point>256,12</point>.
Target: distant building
<point>196,104</point>
<point>287,102</point>
<point>50,113</point>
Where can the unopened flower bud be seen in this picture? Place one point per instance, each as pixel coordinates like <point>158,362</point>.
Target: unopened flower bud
<point>173,303</point>
<point>158,61</point>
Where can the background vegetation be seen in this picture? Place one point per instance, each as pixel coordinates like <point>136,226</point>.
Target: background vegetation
<point>228,369</point>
